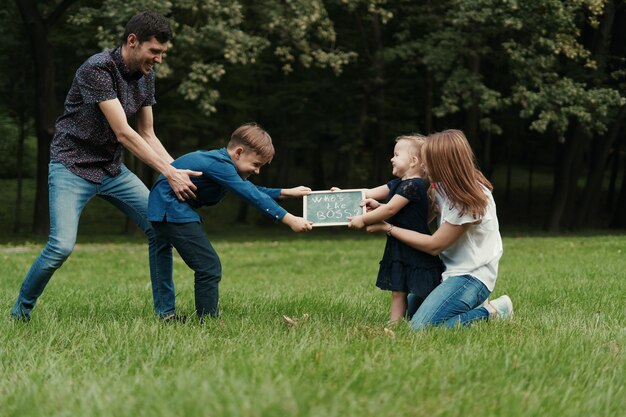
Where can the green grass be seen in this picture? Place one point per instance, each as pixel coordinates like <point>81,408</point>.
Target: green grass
<point>93,347</point>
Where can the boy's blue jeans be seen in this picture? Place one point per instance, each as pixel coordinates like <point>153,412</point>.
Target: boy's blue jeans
<point>68,195</point>
<point>196,250</point>
<point>456,301</point>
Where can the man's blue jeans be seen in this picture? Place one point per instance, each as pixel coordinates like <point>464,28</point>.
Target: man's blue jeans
<point>68,195</point>
<point>456,301</point>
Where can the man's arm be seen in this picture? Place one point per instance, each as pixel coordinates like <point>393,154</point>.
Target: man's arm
<point>145,128</point>
<point>153,155</point>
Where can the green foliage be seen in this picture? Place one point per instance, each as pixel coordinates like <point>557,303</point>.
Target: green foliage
<point>93,347</point>
<point>495,54</point>
<point>213,36</point>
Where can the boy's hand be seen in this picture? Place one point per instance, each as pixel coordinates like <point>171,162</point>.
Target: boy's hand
<point>295,191</point>
<point>297,224</point>
<point>356,222</point>
<point>370,204</point>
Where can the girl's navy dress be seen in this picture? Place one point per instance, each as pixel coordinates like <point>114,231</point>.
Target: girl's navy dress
<point>402,267</point>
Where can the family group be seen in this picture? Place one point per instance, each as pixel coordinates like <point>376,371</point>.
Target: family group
<point>436,279</point>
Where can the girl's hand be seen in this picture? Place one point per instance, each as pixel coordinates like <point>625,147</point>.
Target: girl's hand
<point>335,189</point>
<point>295,191</point>
<point>381,227</point>
<point>370,204</point>
<point>356,222</point>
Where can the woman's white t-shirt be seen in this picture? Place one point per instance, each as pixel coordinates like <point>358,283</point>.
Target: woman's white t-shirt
<point>478,251</point>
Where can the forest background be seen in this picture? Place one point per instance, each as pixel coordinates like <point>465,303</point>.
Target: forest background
<point>539,88</point>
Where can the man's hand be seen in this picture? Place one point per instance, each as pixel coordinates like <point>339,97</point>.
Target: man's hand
<point>356,222</point>
<point>381,227</point>
<point>295,191</point>
<point>297,224</point>
<point>181,183</point>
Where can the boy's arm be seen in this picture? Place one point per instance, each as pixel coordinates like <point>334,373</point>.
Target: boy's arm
<point>382,212</point>
<point>280,193</point>
<point>299,191</point>
<point>297,224</point>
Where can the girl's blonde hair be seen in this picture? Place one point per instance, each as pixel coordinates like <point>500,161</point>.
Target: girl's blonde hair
<point>416,141</point>
<point>450,163</point>
<point>416,144</point>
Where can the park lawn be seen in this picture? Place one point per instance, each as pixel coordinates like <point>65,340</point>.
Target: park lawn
<point>94,348</point>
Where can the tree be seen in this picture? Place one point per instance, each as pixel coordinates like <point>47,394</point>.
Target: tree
<point>39,20</point>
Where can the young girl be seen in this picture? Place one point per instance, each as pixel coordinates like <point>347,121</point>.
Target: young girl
<point>403,269</point>
<point>467,240</point>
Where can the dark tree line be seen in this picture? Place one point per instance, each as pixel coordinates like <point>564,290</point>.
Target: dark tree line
<point>538,84</point>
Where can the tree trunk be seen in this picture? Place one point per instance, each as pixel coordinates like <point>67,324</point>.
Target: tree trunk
<point>428,110</point>
<point>591,202</point>
<point>610,195</point>
<point>37,28</point>
<point>20,158</point>
<point>564,201</point>
<point>242,213</point>
<point>619,220</point>
<point>380,144</point>
<point>567,155</point>
<point>473,114</point>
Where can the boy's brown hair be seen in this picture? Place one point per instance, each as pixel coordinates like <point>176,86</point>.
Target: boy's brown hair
<point>252,137</point>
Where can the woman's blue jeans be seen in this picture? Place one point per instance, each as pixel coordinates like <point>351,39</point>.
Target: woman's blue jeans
<point>456,301</point>
<point>68,196</point>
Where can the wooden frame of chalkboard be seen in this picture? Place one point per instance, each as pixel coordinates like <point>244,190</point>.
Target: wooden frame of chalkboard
<point>332,208</point>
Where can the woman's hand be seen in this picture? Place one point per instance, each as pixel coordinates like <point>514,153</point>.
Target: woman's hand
<point>381,227</point>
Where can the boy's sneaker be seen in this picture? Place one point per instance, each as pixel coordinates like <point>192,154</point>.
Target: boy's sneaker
<point>500,308</point>
<point>25,318</point>
<point>174,318</point>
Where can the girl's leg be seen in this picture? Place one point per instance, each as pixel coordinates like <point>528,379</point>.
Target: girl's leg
<point>398,306</point>
<point>126,192</point>
<point>194,247</point>
<point>68,195</point>
<point>457,300</point>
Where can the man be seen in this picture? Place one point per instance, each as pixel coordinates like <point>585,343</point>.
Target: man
<point>86,154</point>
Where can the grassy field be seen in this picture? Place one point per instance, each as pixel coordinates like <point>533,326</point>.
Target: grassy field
<point>93,347</point>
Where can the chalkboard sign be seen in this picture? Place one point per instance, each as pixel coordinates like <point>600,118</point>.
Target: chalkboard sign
<point>332,208</point>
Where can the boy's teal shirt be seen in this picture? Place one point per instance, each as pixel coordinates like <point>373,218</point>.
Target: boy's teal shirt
<point>219,177</point>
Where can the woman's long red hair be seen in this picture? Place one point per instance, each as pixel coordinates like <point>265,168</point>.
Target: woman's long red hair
<point>450,163</point>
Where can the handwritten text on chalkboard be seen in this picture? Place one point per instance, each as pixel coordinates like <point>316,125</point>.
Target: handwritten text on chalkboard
<point>332,208</point>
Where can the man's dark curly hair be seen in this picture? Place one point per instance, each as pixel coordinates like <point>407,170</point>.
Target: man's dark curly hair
<point>147,24</point>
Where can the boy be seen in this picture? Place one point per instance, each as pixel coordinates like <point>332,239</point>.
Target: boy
<point>178,224</point>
